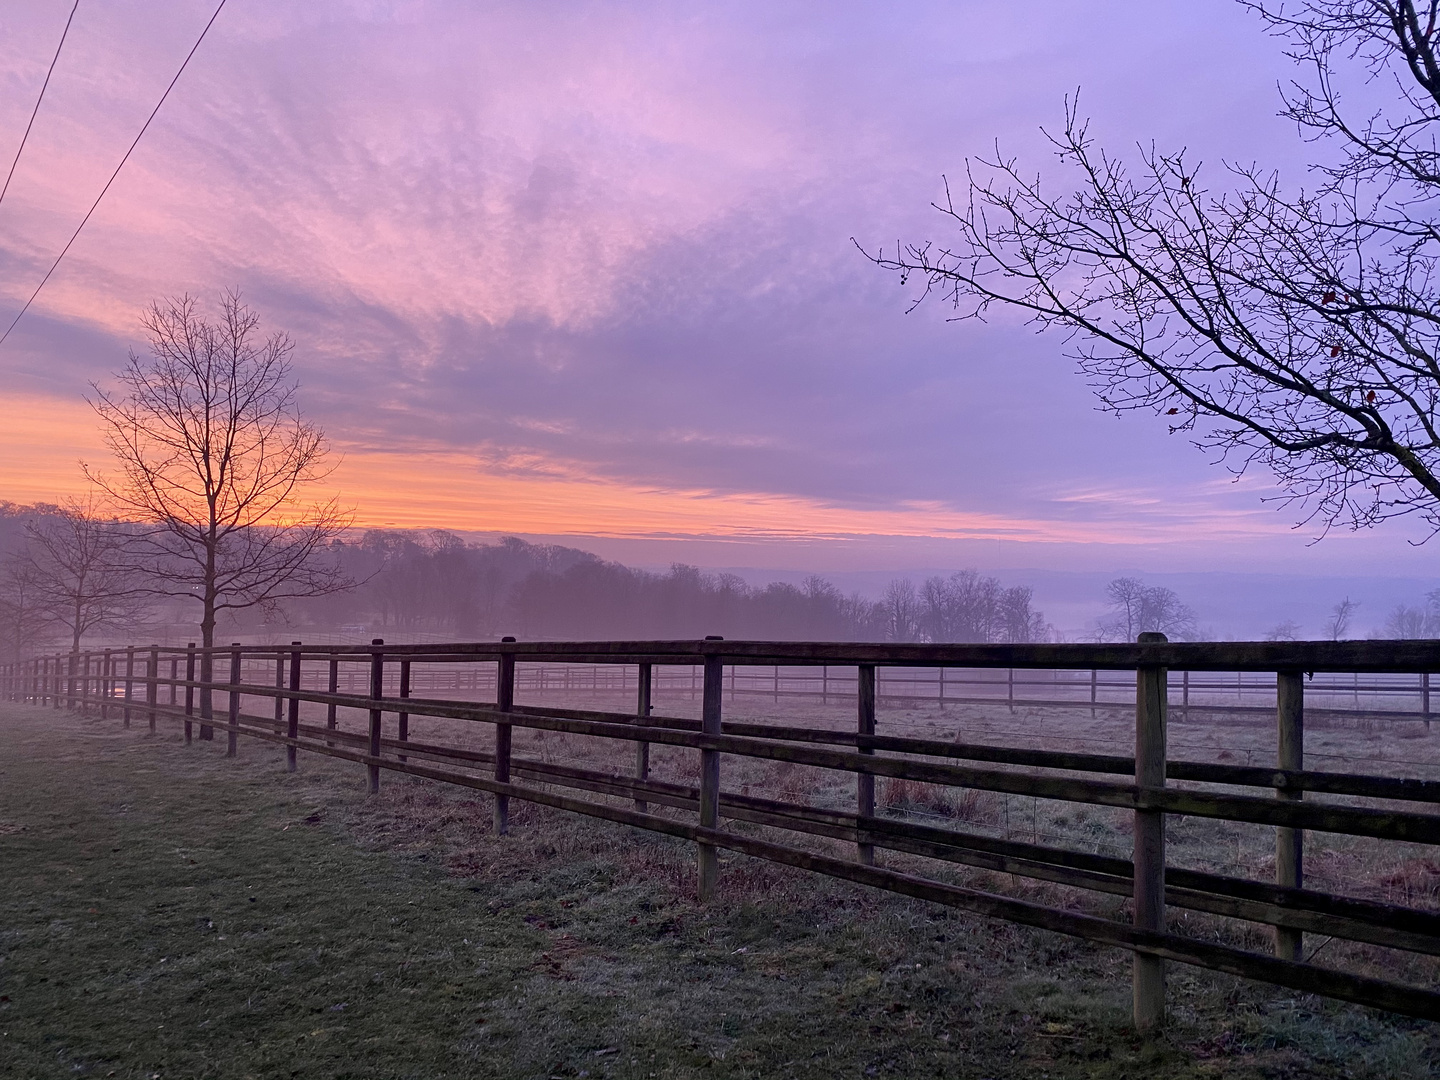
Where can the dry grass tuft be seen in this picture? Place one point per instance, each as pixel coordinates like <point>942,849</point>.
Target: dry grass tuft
<point>902,796</point>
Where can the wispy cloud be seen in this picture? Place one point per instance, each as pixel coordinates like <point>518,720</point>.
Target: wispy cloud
<point>588,268</point>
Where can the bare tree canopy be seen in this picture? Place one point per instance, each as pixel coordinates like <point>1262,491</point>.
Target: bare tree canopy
<point>1137,608</point>
<point>214,456</point>
<point>24,614</point>
<point>1299,331</point>
<point>76,561</point>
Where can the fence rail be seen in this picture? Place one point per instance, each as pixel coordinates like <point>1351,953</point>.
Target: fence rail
<point>392,685</point>
<point>1393,696</point>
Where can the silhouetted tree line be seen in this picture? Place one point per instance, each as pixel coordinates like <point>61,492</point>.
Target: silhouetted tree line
<point>433,581</point>
<point>65,578</point>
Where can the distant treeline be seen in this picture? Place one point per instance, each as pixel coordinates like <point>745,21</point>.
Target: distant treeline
<point>435,582</point>
<point>65,578</point>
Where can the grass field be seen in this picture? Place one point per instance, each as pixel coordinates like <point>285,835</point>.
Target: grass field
<point>167,913</point>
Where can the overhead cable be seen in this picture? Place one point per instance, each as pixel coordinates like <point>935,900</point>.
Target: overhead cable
<point>113,175</point>
<point>21,148</point>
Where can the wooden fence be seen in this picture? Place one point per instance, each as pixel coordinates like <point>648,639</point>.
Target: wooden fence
<point>1388,696</point>
<point>164,683</point>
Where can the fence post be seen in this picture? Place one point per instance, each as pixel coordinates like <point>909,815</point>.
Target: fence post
<point>377,691</point>
<point>1425,697</point>
<point>292,727</point>
<point>174,676</point>
<point>333,687</point>
<point>404,717</point>
<point>865,782</point>
<point>83,699</point>
<point>233,726</point>
<point>642,713</point>
<point>1094,689</point>
<point>504,702</point>
<point>189,689</point>
<point>1150,707</point>
<point>710,710</point>
<point>279,687</point>
<point>129,680</point>
<point>152,684</point>
<point>207,693</point>
<point>56,686</point>
<point>1290,756</point>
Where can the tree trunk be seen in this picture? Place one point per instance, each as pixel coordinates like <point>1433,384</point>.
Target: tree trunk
<point>207,665</point>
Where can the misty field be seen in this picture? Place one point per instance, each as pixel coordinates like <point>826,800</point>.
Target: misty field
<point>166,912</point>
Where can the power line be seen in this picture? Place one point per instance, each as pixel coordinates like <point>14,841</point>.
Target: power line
<point>113,175</point>
<point>21,148</point>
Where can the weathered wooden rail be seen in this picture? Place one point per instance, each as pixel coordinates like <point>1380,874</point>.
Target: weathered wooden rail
<point>1391,697</point>
<point>161,683</point>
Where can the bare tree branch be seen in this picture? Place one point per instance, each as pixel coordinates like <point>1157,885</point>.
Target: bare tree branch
<point>1300,331</point>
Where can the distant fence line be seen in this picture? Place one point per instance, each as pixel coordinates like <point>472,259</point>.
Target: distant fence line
<point>1396,696</point>
<point>1399,696</point>
<point>158,683</point>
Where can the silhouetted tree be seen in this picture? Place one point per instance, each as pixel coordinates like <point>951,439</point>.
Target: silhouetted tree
<point>79,572</point>
<point>213,456</point>
<point>24,614</point>
<point>1289,630</point>
<point>900,609</point>
<point>1137,608</point>
<point>1407,622</point>
<point>1341,616</point>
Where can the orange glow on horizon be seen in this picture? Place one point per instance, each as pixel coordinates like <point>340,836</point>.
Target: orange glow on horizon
<point>46,438</point>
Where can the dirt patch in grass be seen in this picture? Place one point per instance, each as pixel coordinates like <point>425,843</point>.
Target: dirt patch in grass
<point>165,912</point>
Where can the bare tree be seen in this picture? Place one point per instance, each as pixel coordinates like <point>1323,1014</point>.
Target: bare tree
<point>1289,630</point>
<point>1137,608</point>
<point>967,606</point>
<point>1341,615</point>
<point>24,614</point>
<point>1018,622</point>
<point>1296,331</point>
<point>81,577</point>
<point>900,609</point>
<point>1407,622</point>
<point>214,455</point>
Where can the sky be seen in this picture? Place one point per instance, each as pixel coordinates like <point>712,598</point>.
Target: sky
<point>589,272</point>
